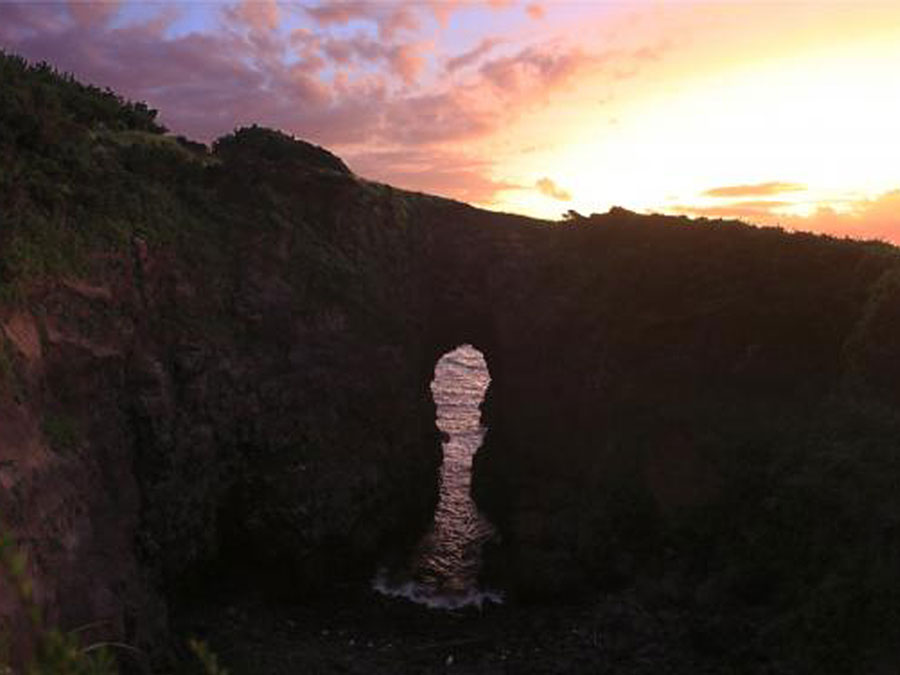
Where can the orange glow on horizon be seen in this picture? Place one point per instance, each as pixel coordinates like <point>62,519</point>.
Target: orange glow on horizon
<point>816,105</point>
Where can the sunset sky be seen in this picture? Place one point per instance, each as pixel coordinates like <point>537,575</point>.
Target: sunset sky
<point>775,112</point>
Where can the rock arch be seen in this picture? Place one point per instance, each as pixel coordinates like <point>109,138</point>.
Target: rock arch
<point>264,391</point>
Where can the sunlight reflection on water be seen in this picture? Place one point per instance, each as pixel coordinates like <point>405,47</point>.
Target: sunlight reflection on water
<point>443,569</point>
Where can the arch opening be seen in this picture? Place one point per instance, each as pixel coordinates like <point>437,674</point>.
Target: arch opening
<point>443,570</point>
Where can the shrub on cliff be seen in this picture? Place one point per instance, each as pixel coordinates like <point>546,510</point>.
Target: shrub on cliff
<point>82,170</point>
<point>40,107</point>
<point>55,652</point>
<point>59,653</point>
<point>258,145</point>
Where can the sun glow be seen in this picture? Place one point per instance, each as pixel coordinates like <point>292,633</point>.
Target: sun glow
<point>825,119</point>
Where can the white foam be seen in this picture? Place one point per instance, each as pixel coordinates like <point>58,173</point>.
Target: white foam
<point>422,594</point>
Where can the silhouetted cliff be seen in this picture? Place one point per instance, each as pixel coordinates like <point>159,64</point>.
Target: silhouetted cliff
<point>219,359</point>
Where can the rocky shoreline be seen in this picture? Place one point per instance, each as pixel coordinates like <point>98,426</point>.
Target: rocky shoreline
<point>361,632</point>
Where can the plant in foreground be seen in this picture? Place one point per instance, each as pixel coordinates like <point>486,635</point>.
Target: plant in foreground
<point>59,653</point>
<point>56,653</point>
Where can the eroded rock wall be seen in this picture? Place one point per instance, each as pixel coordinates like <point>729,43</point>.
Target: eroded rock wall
<point>695,409</point>
<point>261,402</point>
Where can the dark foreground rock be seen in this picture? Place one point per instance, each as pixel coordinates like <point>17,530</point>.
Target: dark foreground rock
<point>219,360</point>
<point>371,634</point>
<point>624,633</point>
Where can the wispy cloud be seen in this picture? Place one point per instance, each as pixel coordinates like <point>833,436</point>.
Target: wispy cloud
<point>93,13</point>
<point>549,188</point>
<point>755,190</point>
<point>473,55</point>
<point>877,218</point>
<point>537,69</point>
<point>442,172</point>
<point>260,15</point>
<point>390,17</point>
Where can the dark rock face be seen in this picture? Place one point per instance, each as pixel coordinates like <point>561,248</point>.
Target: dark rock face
<point>650,364</point>
<point>668,398</point>
<point>263,402</point>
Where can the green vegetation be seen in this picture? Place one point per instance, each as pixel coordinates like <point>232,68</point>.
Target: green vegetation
<point>55,653</point>
<point>209,660</point>
<point>257,144</point>
<point>83,170</point>
<point>61,431</point>
<point>40,107</point>
<point>59,653</point>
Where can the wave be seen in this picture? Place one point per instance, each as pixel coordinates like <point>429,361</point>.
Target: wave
<point>423,594</point>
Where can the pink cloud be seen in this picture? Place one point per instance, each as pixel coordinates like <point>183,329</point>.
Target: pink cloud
<point>403,60</point>
<point>260,15</point>
<point>397,20</point>
<point>406,61</point>
<point>90,13</point>
<point>339,12</point>
<point>389,17</point>
<point>536,71</point>
<point>535,11</point>
<point>205,84</point>
<point>20,22</point>
<point>307,88</point>
<point>438,117</point>
<point>324,83</point>
<point>877,218</point>
<point>438,172</point>
<point>473,55</point>
<point>314,83</point>
<point>340,51</point>
<point>443,9</point>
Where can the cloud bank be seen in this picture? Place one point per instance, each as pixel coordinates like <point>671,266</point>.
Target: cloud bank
<point>877,218</point>
<point>360,76</point>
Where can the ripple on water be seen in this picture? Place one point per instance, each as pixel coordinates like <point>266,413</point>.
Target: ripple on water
<point>442,571</point>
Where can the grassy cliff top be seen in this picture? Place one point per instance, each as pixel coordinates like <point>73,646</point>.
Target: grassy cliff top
<point>84,171</point>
